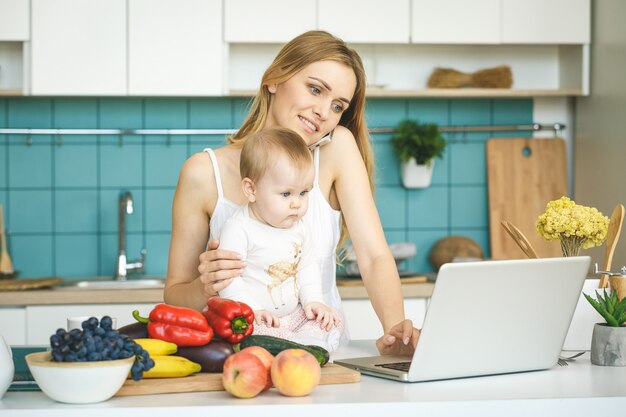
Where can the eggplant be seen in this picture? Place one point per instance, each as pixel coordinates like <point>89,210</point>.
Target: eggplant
<point>210,356</point>
<point>135,330</point>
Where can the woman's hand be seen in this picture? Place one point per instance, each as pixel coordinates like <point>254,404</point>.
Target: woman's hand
<point>401,339</point>
<point>218,268</point>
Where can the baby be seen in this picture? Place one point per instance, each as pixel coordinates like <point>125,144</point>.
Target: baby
<point>281,281</point>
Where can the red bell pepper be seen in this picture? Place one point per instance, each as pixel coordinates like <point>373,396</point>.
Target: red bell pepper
<point>180,325</point>
<point>231,320</point>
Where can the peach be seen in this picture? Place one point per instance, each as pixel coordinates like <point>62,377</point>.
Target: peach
<point>295,372</point>
<point>267,359</point>
<point>245,375</point>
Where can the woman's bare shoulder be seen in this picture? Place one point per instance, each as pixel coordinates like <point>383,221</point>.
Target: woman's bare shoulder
<point>197,168</point>
<point>342,147</point>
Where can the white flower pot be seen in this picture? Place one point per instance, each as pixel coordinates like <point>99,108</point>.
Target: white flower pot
<point>417,176</point>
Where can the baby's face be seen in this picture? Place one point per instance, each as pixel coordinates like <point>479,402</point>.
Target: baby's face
<point>282,195</point>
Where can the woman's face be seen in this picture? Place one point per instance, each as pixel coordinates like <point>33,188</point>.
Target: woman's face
<point>313,100</point>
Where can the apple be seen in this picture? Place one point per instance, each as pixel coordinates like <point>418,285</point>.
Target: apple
<point>245,375</point>
<point>267,359</point>
<point>295,372</point>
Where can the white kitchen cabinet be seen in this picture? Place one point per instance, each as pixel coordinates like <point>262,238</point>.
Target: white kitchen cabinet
<point>13,325</point>
<point>44,320</point>
<point>364,324</point>
<point>14,20</point>
<point>366,21</point>
<point>546,21</point>
<point>268,21</point>
<point>455,21</point>
<point>78,47</point>
<point>175,48</point>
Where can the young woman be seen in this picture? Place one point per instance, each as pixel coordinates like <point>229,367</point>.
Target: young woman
<point>315,87</point>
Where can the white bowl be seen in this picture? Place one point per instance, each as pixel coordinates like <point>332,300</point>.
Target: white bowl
<point>78,382</point>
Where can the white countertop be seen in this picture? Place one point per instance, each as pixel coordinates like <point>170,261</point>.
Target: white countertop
<point>579,389</point>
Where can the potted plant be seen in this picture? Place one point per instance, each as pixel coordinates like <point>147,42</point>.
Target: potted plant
<point>608,342</point>
<point>416,145</point>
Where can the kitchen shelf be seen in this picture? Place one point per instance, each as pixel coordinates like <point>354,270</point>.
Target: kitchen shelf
<point>452,93</point>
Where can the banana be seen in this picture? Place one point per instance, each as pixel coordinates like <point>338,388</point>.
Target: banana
<point>156,347</point>
<point>171,367</point>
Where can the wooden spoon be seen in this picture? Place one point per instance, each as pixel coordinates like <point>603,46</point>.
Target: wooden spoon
<point>519,238</point>
<point>6,266</point>
<point>612,236</point>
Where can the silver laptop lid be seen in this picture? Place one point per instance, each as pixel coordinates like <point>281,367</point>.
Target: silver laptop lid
<point>496,317</point>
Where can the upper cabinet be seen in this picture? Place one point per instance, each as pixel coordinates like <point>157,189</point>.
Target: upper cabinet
<point>501,21</point>
<point>455,21</point>
<point>14,20</point>
<point>267,21</point>
<point>222,47</point>
<point>78,47</point>
<point>546,22</point>
<point>175,48</point>
<point>366,21</point>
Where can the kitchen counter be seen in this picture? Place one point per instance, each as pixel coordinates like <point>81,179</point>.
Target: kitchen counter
<point>71,295</point>
<point>579,389</point>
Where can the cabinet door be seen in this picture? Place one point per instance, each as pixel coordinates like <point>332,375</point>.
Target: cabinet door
<point>175,48</point>
<point>366,21</point>
<point>43,321</point>
<point>78,47</point>
<point>14,20</point>
<point>268,21</point>
<point>546,21</point>
<point>13,325</point>
<point>455,21</point>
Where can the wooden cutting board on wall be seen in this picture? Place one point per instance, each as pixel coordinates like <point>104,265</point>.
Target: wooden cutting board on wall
<point>523,175</point>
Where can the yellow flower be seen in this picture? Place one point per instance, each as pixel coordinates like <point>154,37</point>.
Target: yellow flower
<point>574,225</point>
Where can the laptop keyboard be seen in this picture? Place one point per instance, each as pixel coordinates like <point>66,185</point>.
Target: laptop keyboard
<point>398,366</point>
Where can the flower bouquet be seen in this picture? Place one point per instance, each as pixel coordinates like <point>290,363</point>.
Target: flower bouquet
<point>576,227</point>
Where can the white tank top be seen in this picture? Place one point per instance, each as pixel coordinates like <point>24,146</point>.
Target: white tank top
<point>324,224</point>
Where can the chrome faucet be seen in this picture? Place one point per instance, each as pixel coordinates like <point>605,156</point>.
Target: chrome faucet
<point>124,266</point>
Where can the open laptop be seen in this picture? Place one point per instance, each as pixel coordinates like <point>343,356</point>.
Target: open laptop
<point>487,318</point>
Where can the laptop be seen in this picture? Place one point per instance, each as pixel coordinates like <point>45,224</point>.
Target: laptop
<point>487,318</point>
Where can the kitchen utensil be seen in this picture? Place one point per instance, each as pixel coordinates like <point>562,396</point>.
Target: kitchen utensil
<point>6,266</point>
<point>331,374</point>
<point>520,239</point>
<point>612,236</point>
<point>524,174</point>
<point>28,283</point>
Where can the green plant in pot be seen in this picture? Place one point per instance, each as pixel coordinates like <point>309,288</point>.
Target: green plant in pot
<point>417,145</point>
<point>608,343</point>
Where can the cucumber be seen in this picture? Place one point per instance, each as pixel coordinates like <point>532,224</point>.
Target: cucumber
<point>275,345</point>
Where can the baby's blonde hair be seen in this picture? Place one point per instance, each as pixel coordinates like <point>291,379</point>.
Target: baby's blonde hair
<point>261,150</point>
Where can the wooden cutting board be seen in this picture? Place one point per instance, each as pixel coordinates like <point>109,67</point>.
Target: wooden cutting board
<point>523,175</point>
<point>331,374</point>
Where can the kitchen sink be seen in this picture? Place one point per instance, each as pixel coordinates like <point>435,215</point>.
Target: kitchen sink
<point>130,284</point>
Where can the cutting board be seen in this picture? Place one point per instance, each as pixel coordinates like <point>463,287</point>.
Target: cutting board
<point>523,175</point>
<point>331,374</point>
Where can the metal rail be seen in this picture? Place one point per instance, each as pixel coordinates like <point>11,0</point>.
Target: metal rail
<point>534,127</point>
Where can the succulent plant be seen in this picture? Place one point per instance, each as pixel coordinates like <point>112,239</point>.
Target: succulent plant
<point>610,307</point>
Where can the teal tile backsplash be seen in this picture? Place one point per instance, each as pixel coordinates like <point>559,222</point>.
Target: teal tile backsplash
<point>61,193</point>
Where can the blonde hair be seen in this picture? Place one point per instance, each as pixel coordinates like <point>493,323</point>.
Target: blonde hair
<point>308,48</point>
<point>263,148</point>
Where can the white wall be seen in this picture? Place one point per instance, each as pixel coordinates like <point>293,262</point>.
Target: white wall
<point>600,137</point>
